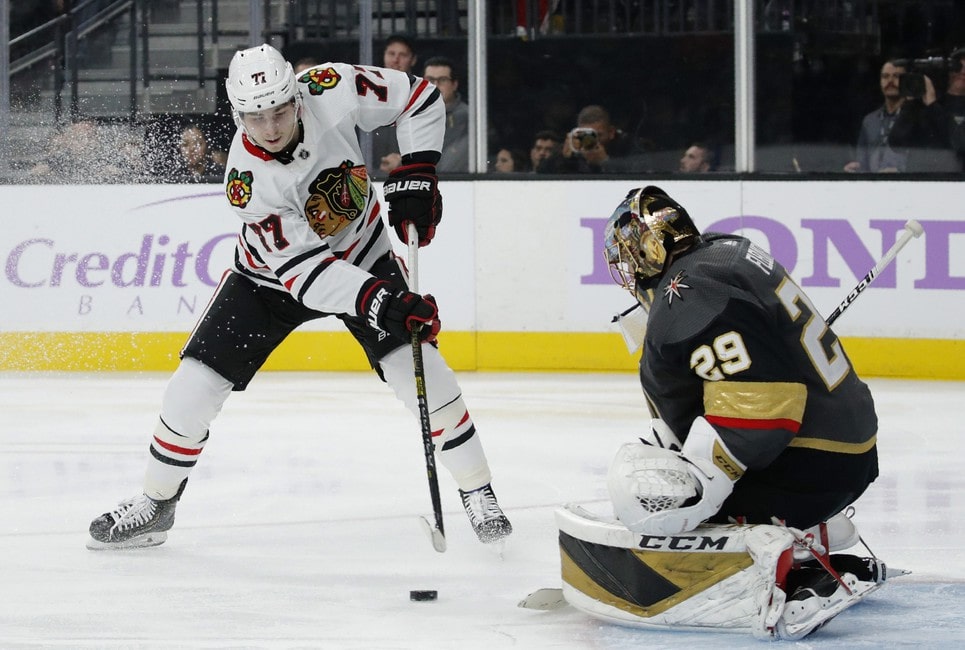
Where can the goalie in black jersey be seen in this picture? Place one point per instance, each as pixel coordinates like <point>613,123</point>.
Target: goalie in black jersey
<point>752,386</point>
<point>758,418</point>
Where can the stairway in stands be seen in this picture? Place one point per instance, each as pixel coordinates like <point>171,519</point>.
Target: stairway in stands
<point>173,84</point>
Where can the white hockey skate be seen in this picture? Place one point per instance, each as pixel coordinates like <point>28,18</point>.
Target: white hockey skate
<point>485,515</point>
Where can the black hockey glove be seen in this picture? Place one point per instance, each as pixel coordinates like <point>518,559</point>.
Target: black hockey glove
<point>397,311</point>
<point>413,196</point>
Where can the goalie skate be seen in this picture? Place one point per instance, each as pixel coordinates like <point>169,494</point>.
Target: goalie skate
<point>135,523</point>
<point>485,515</point>
<point>810,608</point>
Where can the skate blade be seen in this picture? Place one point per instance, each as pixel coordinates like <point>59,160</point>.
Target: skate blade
<point>141,541</point>
<point>498,546</point>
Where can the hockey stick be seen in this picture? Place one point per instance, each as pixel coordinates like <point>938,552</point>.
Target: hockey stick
<point>913,229</point>
<point>545,599</point>
<point>438,533</point>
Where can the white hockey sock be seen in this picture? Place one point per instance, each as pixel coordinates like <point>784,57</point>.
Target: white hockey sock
<point>193,398</point>
<point>457,444</point>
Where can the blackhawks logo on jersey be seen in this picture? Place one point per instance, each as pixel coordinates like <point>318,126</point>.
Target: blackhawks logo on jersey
<point>320,79</point>
<point>238,187</point>
<point>336,197</point>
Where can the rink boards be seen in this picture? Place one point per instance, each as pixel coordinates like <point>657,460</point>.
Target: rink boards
<point>114,277</point>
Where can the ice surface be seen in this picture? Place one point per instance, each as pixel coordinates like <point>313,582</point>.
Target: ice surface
<point>299,527</point>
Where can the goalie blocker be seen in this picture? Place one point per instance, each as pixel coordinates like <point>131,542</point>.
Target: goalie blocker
<point>721,577</point>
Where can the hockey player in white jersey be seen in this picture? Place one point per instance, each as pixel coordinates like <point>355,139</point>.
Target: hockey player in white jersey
<point>313,244</point>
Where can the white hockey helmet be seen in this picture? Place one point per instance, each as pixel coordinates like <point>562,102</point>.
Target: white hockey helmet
<point>259,78</point>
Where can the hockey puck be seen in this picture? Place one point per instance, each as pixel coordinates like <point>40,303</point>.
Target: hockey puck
<point>420,596</point>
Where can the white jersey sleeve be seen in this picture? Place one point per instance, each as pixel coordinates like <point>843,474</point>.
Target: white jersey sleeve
<point>411,103</point>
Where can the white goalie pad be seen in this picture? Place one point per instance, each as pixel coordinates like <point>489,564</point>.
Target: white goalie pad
<point>720,577</point>
<point>706,578</point>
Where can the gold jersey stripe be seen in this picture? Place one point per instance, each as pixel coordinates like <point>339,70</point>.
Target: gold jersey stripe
<point>834,445</point>
<point>756,400</point>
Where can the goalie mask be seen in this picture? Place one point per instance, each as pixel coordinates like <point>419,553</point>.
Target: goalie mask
<point>640,236</point>
<point>259,78</point>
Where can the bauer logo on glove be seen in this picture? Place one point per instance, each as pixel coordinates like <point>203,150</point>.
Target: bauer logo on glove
<point>413,197</point>
<point>397,311</point>
<point>401,186</point>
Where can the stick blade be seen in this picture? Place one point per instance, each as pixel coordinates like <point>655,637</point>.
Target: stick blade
<point>545,599</point>
<point>437,537</point>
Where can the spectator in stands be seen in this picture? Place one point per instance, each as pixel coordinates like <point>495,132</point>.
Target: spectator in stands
<point>922,129</point>
<point>527,24</point>
<point>455,147</point>
<point>86,153</point>
<point>196,163</point>
<point>594,146</point>
<point>509,161</point>
<point>874,152</point>
<point>546,144</point>
<point>933,127</point>
<point>698,157</point>
<point>304,63</point>
<point>954,103</point>
<point>399,54</point>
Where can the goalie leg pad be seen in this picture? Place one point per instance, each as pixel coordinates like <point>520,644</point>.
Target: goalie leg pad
<point>837,533</point>
<point>724,577</point>
<point>706,578</point>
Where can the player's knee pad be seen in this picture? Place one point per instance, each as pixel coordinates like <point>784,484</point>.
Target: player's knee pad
<point>837,533</point>
<point>193,398</point>
<point>441,385</point>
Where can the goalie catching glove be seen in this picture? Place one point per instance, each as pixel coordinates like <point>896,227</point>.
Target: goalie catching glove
<point>398,312</point>
<point>413,196</point>
<point>657,491</point>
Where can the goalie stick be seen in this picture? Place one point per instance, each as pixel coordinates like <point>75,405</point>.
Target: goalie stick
<point>913,229</point>
<point>436,533</point>
<point>545,599</point>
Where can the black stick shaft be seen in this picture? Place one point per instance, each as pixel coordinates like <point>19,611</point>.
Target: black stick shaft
<point>912,230</point>
<point>420,388</point>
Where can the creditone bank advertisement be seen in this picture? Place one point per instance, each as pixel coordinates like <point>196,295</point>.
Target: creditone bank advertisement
<point>510,257</point>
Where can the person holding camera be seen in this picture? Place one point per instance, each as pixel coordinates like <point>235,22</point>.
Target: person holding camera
<point>932,128</point>
<point>874,152</point>
<point>954,103</point>
<point>595,146</point>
